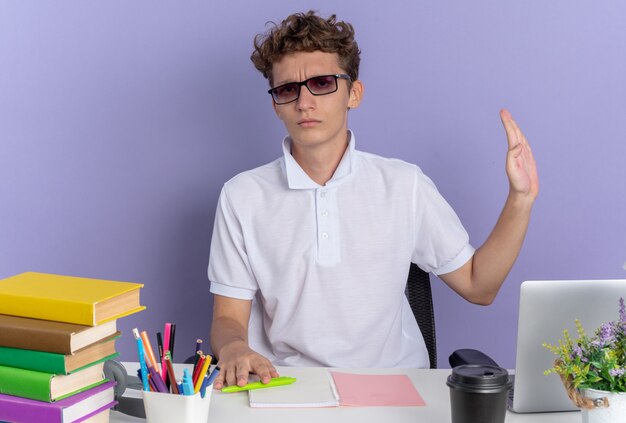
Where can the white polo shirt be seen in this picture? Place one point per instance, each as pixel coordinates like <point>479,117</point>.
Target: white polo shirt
<point>326,266</point>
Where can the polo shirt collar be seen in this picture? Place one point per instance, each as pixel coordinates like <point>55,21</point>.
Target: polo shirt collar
<point>298,179</point>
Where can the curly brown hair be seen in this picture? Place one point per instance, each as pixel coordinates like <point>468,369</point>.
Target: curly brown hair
<point>306,32</point>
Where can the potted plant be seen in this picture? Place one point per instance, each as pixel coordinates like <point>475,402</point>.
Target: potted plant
<point>593,369</point>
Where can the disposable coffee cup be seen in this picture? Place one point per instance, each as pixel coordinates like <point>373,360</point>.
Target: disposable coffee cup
<point>167,408</point>
<point>478,393</point>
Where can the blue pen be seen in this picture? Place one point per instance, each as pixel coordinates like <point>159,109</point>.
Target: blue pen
<point>187,383</point>
<point>208,380</point>
<point>139,375</point>
<point>213,375</point>
<point>142,361</point>
<point>204,385</point>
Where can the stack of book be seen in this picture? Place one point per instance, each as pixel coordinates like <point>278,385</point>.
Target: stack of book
<point>56,332</point>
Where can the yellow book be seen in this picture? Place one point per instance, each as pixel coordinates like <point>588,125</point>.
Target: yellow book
<point>68,299</point>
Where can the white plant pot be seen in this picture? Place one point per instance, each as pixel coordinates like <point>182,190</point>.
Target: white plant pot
<point>615,412</point>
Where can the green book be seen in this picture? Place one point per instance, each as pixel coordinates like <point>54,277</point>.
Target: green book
<point>48,387</point>
<point>61,364</point>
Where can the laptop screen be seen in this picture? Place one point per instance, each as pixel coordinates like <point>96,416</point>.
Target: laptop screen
<point>546,309</point>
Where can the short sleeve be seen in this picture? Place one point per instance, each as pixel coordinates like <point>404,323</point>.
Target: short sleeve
<point>441,242</point>
<point>229,268</point>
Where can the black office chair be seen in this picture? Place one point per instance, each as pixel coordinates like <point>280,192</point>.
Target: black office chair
<point>421,301</point>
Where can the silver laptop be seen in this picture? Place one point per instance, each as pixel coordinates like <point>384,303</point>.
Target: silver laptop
<point>546,308</point>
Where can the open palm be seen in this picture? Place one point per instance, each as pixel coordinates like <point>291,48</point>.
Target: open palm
<point>520,163</point>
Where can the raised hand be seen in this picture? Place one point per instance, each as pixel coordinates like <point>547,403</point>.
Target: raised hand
<point>520,163</point>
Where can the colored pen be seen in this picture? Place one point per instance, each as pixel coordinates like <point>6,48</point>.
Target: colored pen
<point>161,354</point>
<point>153,387</point>
<point>149,352</point>
<point>158,381</point>
<point>203,386</point>
<point>208,380</point>
<point>277,381</point>
<point>172,337</point>
<point>187,383</point>
<point>160,344</point>
<point>142,361</point>
<point>213,375</point>
<point>166,346</point>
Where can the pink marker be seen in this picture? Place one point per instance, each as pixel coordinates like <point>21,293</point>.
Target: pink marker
<point>166,343</point>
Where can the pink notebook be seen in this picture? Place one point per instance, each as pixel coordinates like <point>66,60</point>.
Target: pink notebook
<point>358,390</point>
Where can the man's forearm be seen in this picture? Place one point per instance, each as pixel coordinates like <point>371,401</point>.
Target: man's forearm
<point>495,258</point>
<point>225,331</point>
<point>229,341</point>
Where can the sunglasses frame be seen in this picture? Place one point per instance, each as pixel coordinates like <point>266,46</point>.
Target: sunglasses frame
<point>305,83</point>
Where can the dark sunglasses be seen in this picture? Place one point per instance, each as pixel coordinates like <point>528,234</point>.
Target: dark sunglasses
<point>318,85</point>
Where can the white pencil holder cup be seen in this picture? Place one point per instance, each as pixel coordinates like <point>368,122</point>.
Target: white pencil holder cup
<point>167,408</point>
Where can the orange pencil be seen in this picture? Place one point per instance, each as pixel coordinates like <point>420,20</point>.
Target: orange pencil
<point>149,352</point>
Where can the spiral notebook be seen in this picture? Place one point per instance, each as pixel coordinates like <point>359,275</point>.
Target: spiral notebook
<point>314,387</point>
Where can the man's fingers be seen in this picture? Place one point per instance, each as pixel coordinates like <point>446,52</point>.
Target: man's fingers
<point>265,370</point>
<point>266,375</point>
<point>520,135</point>
<point>512,128</point>
<point>274,372</point>
<point>517,150</point>
<point>512,131</point>
<point>237,374</point>
<point>218,383</point>
<point>236,371</point>
<point>231,377</point>
<point>242,378</point>
<point>223,376</point>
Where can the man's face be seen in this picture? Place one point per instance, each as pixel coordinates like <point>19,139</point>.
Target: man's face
<point>313,121</point>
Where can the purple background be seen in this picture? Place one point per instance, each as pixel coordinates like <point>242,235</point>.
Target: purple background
<point>120,121</point>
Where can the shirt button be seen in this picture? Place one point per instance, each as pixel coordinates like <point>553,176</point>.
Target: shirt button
<point>324,235</point>
<point>325,213</point>
<point>323,194</point>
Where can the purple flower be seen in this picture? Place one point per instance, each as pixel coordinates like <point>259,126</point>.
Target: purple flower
<point>577,352</point>
<point>597,361</point>
<point>606,335</point>
<point>596,344</point>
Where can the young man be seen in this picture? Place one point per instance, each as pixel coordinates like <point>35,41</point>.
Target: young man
<point>310,253</point>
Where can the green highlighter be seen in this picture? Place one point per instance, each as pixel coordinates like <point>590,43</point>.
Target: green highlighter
<point>277,381</point>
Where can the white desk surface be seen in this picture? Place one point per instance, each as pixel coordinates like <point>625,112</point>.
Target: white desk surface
<point>431,384</point>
